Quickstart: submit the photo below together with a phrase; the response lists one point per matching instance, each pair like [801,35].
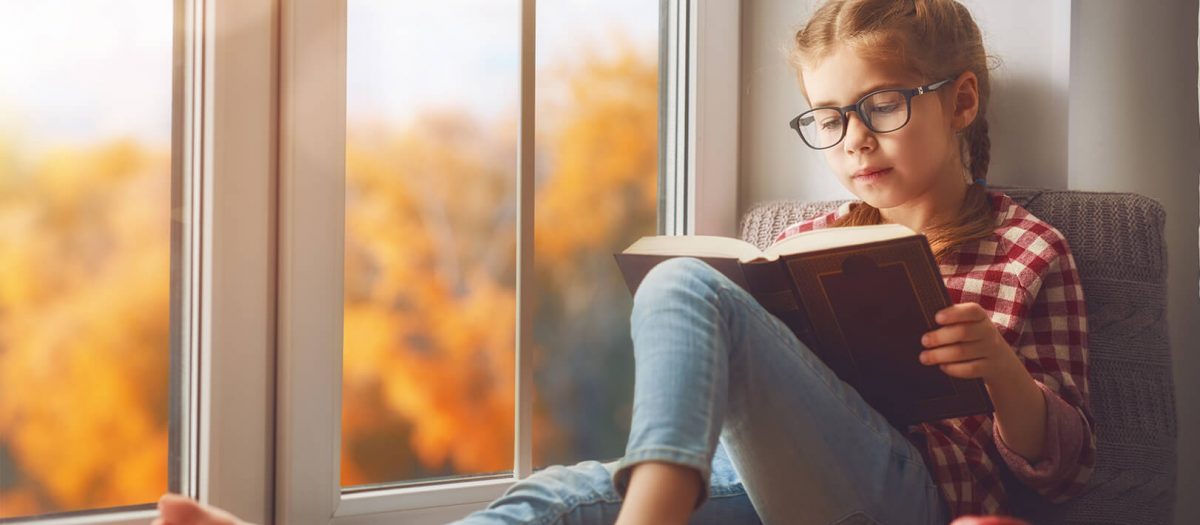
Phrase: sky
[73,71]
[82,70]
[392,66]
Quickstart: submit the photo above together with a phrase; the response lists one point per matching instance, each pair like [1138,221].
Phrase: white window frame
[699,110]
[699,166]
[260,134]
[223,150]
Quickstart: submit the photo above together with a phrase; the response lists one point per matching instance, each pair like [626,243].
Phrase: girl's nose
[859,138]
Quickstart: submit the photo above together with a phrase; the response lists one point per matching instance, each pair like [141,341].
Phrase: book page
[696,246]
[823,238]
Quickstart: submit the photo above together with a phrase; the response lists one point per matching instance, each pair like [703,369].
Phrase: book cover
[862,308]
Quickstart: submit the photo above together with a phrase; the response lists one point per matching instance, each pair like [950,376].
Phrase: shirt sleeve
[1053,348]
[1061,448]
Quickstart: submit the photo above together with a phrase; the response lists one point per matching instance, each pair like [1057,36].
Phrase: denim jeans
[724,387]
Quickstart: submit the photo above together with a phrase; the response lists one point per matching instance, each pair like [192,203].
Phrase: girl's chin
[879,200]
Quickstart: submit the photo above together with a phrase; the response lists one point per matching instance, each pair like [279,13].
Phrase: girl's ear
[966,100]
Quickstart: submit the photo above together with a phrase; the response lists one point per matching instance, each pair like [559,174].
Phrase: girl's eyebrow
[874,87]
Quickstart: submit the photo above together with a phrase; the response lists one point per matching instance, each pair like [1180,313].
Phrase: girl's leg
[583,494]
[713,367]
[712,363]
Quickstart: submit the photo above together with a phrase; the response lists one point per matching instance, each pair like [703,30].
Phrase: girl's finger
[955,333]
[953,353]
[942,354]
[965,369]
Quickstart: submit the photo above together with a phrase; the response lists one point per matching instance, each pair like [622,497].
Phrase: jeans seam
[640,454]
[712,401]
[851,513]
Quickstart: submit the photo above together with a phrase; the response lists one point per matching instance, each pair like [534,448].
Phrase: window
[430,270]
[86,306]
[430,244]
[136,207]
[597,192]
[276,169]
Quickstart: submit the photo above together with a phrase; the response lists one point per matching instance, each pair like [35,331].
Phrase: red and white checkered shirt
[1024,276]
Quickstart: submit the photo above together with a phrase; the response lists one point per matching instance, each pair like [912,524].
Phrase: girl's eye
[886,108]
[831,124]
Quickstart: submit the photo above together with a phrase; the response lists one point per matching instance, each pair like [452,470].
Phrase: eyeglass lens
[884,111]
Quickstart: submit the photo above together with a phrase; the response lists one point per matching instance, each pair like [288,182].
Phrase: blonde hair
[936,39]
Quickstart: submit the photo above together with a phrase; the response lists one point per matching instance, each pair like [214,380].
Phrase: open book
[860,297]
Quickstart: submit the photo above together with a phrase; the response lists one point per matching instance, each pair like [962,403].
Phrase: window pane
[428,358]
[597,172]
[85,253]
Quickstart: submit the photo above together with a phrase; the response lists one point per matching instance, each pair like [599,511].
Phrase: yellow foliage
[430,305]
[84,303]
[429,299]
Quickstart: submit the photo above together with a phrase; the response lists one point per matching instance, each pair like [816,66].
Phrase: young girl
[737,421]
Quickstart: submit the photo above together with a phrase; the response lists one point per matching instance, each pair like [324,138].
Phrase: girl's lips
[872,176]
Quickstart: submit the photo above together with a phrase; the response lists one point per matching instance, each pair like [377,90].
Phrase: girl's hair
[936,39]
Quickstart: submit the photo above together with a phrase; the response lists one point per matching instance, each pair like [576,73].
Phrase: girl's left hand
[968,345]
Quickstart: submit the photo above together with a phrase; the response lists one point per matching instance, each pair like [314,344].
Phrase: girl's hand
[174,509]
[968,345]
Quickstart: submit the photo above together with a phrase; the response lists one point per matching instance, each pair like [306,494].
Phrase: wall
[1089,95]
[1134,128]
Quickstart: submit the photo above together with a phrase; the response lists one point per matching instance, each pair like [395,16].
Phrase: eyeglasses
[882,111]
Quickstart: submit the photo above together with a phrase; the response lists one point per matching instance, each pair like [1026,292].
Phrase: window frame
[698,165]
[222,262]
[259,140]
[699,116]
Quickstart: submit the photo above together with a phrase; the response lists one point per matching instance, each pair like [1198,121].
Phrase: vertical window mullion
[310,240]
[677,110]
[523,442]
[234,304]
[186,139]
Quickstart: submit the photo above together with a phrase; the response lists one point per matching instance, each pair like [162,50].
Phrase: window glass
[597,173]
[428,357]
[85,253]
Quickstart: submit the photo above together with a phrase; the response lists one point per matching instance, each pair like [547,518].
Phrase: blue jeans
[724,387]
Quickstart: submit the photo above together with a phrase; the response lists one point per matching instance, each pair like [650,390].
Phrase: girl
[736,421]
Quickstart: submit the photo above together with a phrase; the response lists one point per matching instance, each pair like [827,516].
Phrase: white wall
[1028,114]
[1090,95]
[1133,122]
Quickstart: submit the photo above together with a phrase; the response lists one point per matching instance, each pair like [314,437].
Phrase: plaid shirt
[1024,276]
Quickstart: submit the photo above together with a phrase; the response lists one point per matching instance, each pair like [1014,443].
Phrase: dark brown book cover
[862,309]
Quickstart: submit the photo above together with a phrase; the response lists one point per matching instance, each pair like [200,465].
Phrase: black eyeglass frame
[844,111]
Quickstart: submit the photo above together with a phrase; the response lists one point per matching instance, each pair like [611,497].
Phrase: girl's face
[917,158]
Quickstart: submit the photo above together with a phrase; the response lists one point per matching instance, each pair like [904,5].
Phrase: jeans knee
[678,276]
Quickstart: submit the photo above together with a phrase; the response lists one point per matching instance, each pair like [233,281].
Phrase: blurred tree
[84,299]
[429,297]
[430,264]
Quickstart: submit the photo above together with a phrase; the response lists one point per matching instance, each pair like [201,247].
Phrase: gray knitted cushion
[1117,240]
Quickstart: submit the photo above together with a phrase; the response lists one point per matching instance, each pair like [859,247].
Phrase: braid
[979,145]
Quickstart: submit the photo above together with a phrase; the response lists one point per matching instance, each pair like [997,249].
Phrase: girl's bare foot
[660,493]
[174,509]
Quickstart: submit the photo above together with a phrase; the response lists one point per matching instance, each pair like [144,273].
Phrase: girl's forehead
[844,75]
